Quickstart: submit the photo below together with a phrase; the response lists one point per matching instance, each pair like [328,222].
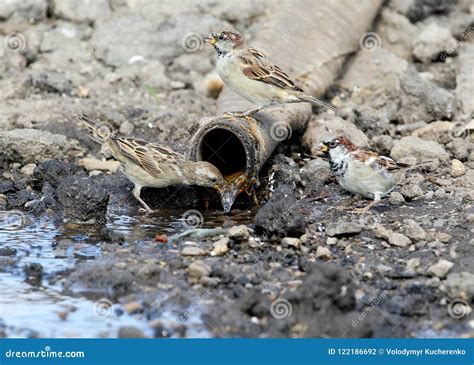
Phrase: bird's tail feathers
[315,101]
[99,131]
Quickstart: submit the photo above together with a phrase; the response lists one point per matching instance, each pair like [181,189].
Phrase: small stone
[192,251]
[92,164]
[81,11]
[457,168]
[431,41]
[176,85]
[396,198]
[290,241]
[132,307]
[161,238]
[459,284]
[220,247]
[323,252]
[412,264]
[411,191]
[199,269]
[304,239]
[343,229]
[213,84]
[440,269]
[383,269]
[331,240]
[126,128]
[239,233]
[419,148]
[28,169]
[398,239]
[130,332]
[207,281]
[414,231]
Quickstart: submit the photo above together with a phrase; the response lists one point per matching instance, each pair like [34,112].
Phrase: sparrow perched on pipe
[250,74]
[362,172]
[153,165]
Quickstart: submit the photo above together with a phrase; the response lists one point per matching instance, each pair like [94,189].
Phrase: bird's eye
[332,144]
[221,37]
[214,179]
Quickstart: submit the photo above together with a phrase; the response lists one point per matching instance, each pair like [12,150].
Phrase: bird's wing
[257,67]
[376,161]
[145,154]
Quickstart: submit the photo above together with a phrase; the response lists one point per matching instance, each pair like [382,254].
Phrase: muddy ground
[79,259]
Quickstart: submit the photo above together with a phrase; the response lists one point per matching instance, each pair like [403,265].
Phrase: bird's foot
[361,210]
[366,208]
[235,114]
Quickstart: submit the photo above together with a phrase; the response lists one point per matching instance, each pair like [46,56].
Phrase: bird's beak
[322,151]
[211,40]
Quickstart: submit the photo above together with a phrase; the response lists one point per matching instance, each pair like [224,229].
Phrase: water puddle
[29,311]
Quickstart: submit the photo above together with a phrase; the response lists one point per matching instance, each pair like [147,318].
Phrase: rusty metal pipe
[242,145]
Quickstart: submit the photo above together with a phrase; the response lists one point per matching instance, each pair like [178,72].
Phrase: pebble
[398,239]
[419,148]
[414,231]
[413,263]
[220,247]
[457,168]
[411,191]
[431,41]
[192,251]
[343,229]
[176,84]
[459,284]
[291,241]
[239,233]
[331,240]
[396,198]
[441,268]
[28,169]
[130,332]
[199,269]
[91,164]
[126,128]
[132,307]
[323,252]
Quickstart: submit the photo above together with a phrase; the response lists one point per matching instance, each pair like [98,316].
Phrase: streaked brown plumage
[148,164]
[250,74]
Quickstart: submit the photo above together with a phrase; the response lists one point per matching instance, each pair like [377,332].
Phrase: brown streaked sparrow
[251,75]
[361,171]
[148,164]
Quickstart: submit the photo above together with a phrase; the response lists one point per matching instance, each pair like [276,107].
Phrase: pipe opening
[224,150]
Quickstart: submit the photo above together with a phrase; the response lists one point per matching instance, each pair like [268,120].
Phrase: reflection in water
[29,311]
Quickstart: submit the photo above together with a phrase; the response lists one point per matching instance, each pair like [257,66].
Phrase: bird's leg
[252,194]
[136,194]
[364,210]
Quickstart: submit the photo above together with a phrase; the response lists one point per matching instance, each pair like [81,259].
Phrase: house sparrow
[251,75]
[361,171]
[153,165]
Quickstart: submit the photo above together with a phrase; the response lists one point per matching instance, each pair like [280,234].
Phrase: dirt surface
[74,247]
